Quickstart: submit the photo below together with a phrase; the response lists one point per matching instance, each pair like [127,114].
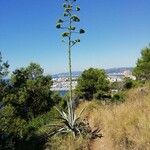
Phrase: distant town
[61,81]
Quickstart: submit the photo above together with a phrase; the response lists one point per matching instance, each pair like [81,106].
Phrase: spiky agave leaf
[63,114]
[77,118]
[59,131]
[82,111]
[68,118]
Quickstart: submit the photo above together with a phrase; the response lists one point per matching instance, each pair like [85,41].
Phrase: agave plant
[75,126]
[68,23]
[71,122]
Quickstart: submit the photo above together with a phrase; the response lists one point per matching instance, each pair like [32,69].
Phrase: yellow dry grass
[125,126]
[67,142]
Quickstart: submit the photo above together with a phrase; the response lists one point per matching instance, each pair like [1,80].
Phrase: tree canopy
[29,93]
[92,83]
[142,69]
[4,66]
[26,98]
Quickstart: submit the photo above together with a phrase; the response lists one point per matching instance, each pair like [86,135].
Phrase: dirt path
[100,143]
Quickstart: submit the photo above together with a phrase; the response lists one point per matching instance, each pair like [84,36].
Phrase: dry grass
[125,126]
[67,143]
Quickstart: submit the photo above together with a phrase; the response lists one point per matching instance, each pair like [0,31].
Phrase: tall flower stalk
[70,120]
[68,23]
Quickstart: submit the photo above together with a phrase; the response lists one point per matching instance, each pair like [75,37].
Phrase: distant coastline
[115,70]
[61,80]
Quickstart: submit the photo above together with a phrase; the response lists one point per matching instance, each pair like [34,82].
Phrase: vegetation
[68,142]
[68,23]
[128,83]
[118,97]
[116,85]
[29,119]
[93,83]
[124,126]
[4,66]
[142,69]
[30,93]
[31,114]
[26,100]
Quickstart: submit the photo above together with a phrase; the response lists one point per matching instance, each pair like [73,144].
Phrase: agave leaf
[80,113]
[61,130]
[75,116]
[68,125]
[63,115]
[74,119]
[78,131]
[59,111]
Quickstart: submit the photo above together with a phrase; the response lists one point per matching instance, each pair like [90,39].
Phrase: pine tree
[142,69]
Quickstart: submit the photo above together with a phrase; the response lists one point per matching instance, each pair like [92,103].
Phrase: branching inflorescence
[70,120]
[68,23]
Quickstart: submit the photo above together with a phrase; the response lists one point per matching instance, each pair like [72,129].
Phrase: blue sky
[116,30]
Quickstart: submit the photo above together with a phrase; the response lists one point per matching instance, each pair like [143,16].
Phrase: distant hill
[108,71]
[66,74]
[118,70]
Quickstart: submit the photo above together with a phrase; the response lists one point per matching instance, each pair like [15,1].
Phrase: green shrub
[91,82]
[118,97]
[128,83]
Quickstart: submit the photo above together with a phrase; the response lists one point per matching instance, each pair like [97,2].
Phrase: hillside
[124,126]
